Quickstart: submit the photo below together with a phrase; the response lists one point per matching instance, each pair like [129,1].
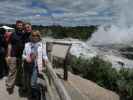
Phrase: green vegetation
[101,72]
[125,83]
[78,32]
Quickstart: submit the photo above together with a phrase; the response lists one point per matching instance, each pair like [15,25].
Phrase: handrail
[55,52]
[57,83]
[49,90]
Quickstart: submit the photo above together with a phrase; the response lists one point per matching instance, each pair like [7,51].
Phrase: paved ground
[77,87]
[4,94]
[82,89]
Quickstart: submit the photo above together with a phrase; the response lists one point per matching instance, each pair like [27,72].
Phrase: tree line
[57,31]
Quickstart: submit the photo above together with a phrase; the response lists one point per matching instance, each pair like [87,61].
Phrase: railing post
[65,64]
[49,50]
[65,71]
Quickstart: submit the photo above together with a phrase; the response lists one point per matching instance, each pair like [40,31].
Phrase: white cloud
[73,12]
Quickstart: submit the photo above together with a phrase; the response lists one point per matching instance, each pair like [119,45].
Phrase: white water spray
[120,32]
[112,35]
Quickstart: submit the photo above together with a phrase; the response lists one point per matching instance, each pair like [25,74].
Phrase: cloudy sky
[63,12]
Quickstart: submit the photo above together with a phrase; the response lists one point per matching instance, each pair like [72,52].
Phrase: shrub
[125,84]
[78,32]
[96,70]
[103,74]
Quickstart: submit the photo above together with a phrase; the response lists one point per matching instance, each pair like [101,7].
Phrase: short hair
[19,21]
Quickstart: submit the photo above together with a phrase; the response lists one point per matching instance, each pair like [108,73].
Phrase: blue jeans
[34,76]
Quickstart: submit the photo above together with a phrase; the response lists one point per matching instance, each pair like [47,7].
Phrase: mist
[120,32]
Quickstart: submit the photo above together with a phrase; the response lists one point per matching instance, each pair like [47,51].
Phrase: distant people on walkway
[34,56]
[14,55]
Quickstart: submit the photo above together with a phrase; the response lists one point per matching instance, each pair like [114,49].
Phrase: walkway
[4,94]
